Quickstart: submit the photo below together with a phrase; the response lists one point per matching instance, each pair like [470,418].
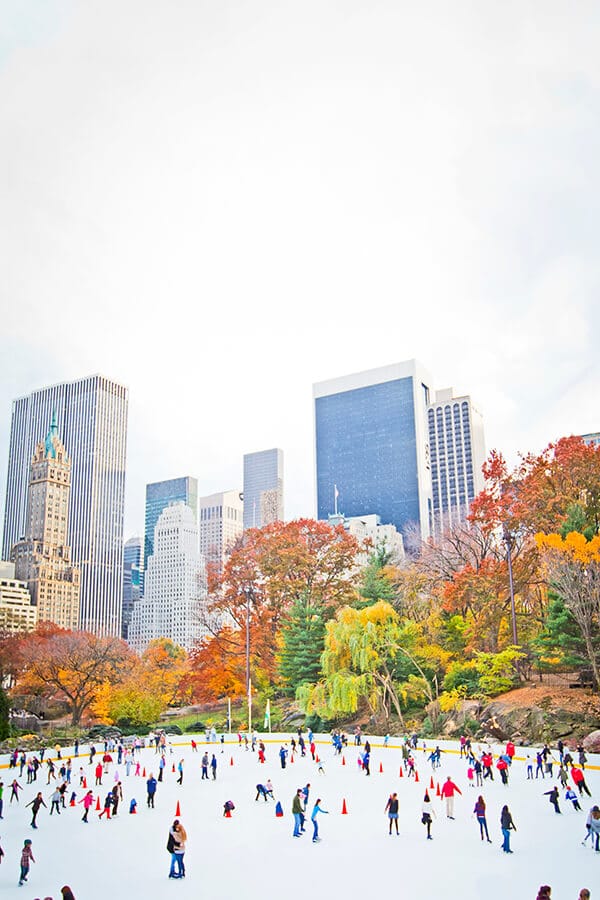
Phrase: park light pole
[511,585]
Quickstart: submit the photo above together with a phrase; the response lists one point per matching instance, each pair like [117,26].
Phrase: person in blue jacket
[151,788]
[313,818]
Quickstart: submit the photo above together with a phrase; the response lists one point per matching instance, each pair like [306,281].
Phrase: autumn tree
[572,565]
[72,666]
[269,571]
[164,667]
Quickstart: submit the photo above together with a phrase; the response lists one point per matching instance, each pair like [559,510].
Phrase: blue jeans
[506,844]
[315,829]
[297,823]
[177,860]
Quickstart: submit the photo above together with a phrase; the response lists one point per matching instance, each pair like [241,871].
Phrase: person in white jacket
[427,814]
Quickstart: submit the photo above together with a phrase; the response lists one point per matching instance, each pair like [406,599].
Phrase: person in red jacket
[579,779]
[510,750]
[502,767]
[448,791]
[486,761]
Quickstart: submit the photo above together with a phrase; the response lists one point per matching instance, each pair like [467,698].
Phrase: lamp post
[511,586]
[248,685]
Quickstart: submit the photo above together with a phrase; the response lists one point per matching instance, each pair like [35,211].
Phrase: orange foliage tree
[269,570]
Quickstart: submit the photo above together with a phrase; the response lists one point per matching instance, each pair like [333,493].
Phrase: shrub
[463,675]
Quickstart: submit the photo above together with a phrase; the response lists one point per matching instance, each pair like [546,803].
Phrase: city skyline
[332,190]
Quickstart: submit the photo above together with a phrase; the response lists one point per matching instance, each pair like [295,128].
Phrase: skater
[579,779]
[572,796]
[87,801]
[595,828]
[35,804]
[584,894]
[180,770]
[15,788]
[204,764]
[479,811]
[553,798]
[391,808]
[269,788]
[506,824]
[117,796]
[176,847]
[478,774]
[133,806]
[313,818]
[297,813]
[427,812]
[562,776]
[161,766]
[107,806]
[529,768]
[55,802]
[213,767]
[227,807]
[151,789]
[282,756]
[26,859]
[581,756]
[539,765]
[448,791]
[544,892]
[67,893]
[98,773]
[366,760]
[261,791]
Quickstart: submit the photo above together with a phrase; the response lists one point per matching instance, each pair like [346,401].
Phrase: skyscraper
[132,580]
[43,558]
[371,446]
[457,450]
[174,584]
[263,488]
[161,494]
[220,523]
[91,415]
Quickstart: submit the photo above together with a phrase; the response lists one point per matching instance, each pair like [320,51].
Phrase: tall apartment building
[91,415]
[457,451]
[161,494]
[372,446]
[17,612]
[593,439]
[370,528]
[263,488]
[132,580]
[174,584]
[43,558]
[220,523]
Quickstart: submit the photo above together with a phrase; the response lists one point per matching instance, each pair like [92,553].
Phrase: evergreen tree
[375,583]
[560,639]
[303,643]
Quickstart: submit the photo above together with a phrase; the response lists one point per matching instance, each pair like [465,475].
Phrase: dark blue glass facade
[162,494]
[366,445]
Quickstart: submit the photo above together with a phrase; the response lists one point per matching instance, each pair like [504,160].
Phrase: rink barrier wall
[284,737]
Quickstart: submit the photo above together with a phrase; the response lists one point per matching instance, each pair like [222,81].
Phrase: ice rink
[253,854]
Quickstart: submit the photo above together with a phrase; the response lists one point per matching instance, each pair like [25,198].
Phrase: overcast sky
[219,203]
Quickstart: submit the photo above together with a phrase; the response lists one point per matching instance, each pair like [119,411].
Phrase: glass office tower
[263,488]
[371,446]
[161,494]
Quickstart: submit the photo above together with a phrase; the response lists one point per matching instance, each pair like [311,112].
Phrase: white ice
[253,854]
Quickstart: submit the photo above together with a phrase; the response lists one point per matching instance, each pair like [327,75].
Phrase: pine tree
[303,643]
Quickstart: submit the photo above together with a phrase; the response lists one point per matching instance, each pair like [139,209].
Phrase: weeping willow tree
[362,647]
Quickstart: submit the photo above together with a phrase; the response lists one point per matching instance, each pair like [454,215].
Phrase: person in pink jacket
[448,791]
[87,805]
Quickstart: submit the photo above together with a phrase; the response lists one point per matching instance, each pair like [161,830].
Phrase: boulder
[592,742]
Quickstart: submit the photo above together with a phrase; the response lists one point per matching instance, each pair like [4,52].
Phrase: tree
[572,565]
[73,665]
[164,666]
[303,644]
[270,570]
[362,647]
[4,717]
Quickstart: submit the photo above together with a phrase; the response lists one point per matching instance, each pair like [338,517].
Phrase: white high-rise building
[370,528]
[457,452]
[91,417]
[174,584]
[220,524]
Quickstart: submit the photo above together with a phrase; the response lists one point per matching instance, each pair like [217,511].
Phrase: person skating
[107,806]
[479,811]
[313,818]
[180,770]
[579,779]
[261,791]
[151,790]
[595,828]
[15,788]
[67,893]
[544,893]
[55,802]
[117,796]
[282,756]
[297,813]
[176,847]
[553,798]
[26,859]
[88,801]
[204,765]
[35,804]
[391,808]
[427,814]
[269,788]
[507,825]
[213,767]
[572,796]
[584,894]
[448,791]
[98,773]
[588,826]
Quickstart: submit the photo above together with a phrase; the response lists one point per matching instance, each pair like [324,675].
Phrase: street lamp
[513,612]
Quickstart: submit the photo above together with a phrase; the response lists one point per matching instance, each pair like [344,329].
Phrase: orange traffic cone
[344,808]
[438,793]
[84,785]
[317,758]
[97,803]
[416,776]
[292,758]
[177,810]
[227,813]
[144,773]
[173,769]
[231,761]
[343,760]
[72,800]
[401,773]
[380,768]
[431,784]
